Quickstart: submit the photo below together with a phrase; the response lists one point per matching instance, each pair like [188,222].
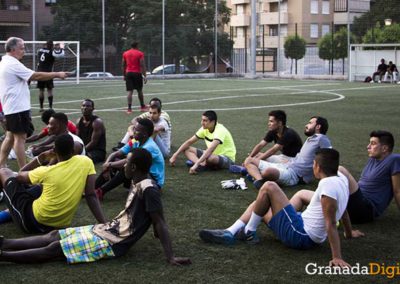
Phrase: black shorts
[97,156]
[359,208]
[45,84]
[223,161]
[19,201]
[20,122]
[134,81]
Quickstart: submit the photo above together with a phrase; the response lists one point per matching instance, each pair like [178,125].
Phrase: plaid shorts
[80,244]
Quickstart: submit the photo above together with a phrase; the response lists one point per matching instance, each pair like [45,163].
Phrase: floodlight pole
[253,38]
[278,63]
[104,36]
[216,40]
[163,37]
[348,40]
[34,34]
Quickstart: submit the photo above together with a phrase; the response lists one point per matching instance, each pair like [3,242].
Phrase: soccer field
[196,202]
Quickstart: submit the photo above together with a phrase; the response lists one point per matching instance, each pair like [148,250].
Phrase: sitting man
[45,132]
[392,72]
[380,71]
[128,135]
[162,131]
[379,181]
[318,221]
[36,211]
[221,150]
[58,124]
[286,140]
[92,132]
[106,240]
[113,174]
[299,169]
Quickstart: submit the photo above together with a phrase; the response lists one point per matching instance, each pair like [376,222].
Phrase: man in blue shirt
[113,174]
[379,181]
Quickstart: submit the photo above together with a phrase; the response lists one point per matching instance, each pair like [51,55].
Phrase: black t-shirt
[290,141]
[139,211]
[46,60]
[85,133]
[382,67]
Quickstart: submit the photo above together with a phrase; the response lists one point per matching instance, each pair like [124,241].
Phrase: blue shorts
[288,227]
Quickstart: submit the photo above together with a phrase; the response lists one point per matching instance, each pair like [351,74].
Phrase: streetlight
[388,22]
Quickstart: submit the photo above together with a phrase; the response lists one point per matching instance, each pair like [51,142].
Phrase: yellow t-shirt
[63,185]
[226,146]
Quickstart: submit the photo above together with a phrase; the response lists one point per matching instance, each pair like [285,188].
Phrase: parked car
[97,75]
[169,69]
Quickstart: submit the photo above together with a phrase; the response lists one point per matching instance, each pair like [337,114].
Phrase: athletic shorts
[80,244]
[19,201]
[279,159]
[287,176]
[97,156]
[288,227]
[360,209]
[45,84]
[20,122]
[223,161]
[134,81]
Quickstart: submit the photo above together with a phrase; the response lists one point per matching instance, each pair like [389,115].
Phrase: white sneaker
[12,155]
[379,81]
[372,81]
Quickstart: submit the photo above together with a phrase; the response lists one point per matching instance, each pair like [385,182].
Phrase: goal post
[364,58]
[69,62]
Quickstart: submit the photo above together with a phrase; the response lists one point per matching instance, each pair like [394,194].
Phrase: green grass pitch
[192,203]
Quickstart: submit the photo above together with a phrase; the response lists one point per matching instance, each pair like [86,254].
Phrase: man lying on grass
[112,239]
[325,207]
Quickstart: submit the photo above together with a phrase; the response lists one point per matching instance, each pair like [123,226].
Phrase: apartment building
[310,19]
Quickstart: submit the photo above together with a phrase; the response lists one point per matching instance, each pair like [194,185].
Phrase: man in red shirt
[134,71]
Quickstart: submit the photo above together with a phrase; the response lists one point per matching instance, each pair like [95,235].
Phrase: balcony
[272,1]
[15,18]
[271,41]
[239,42]
[240,21]
[357,6]
[272,18]
[236,2]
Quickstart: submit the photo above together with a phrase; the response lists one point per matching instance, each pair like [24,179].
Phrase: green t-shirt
[220,133]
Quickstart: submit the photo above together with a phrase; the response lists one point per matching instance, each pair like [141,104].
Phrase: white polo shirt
[14,90]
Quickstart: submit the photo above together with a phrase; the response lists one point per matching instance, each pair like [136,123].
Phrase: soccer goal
[67,61]
[364,58]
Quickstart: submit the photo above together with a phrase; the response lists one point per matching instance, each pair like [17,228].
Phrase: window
[325,7]
[50,2]
[325,29]
[314,7]
[314,31]
[239,10]
[273,31]
[240,32]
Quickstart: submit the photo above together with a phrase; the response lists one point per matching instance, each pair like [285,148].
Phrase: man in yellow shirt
[62,187]
[221,150]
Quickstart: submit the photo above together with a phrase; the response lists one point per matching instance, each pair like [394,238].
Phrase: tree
[380,10]
[334,47]
[189,25]
[295,48]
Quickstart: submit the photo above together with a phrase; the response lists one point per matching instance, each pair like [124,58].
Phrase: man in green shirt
[221,150]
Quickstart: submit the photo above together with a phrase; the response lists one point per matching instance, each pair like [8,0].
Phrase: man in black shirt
[46,58]
[381,70]
[90,128]
[143,208]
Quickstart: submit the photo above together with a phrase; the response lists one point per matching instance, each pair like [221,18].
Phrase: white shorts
[287,176]
[279,159]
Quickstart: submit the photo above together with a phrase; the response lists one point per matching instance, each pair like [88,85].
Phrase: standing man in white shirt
[15,98]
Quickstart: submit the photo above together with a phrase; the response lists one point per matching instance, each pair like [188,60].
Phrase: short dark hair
[61,118]
[156,101]
[142,159]
[90,101]
[323,123]
[47,114]
[49,44]
[134,44]
[147,124]
[211,115]
[328,160]
[385,138]
[156,106]
[64,145]
[12,43]
[279,115]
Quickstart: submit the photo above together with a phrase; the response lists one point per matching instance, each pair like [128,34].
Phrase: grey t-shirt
[302,164]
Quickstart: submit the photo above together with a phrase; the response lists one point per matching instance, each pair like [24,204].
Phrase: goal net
[67,61]
[364,58]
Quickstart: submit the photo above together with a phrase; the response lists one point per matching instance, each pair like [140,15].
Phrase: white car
[97,75]
[169,69]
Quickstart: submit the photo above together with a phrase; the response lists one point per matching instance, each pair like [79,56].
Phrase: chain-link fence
[183,36]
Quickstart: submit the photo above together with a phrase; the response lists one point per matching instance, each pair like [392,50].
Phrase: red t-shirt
[132,59]
[71,128]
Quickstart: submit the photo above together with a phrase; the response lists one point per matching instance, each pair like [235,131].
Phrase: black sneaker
[250,238]
[223,237]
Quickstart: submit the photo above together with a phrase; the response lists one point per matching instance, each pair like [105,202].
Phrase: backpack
[368,79]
